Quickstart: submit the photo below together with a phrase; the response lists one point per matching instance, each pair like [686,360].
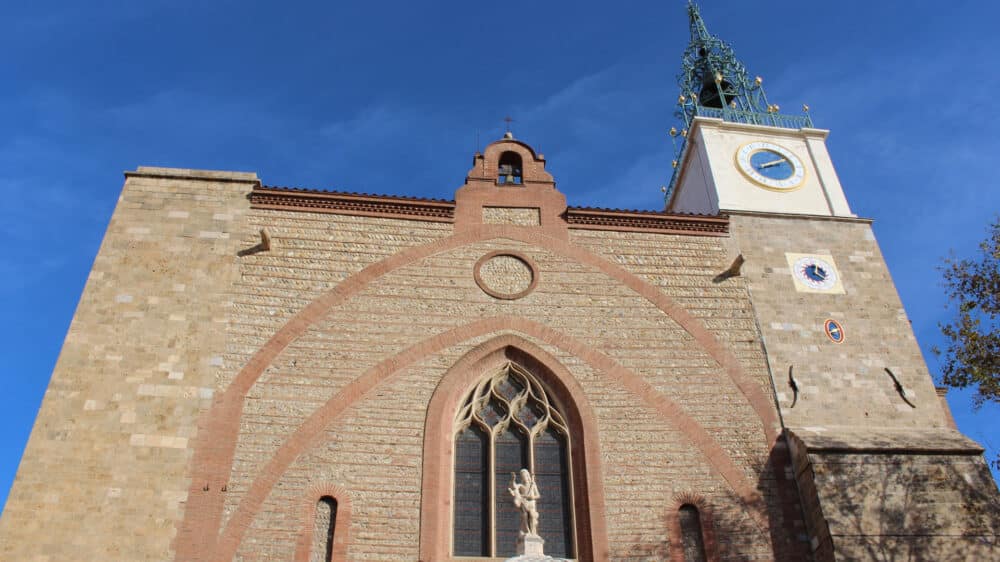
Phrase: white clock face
[771,166]
[815,273]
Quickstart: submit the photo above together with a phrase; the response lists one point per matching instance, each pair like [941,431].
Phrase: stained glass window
[472,516]
[551,472]
[506,423]
[511,455]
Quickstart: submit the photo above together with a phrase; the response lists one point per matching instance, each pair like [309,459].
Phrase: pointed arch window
[506,423]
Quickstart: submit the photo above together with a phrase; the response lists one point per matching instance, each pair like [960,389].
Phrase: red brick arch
[342,525]
[313,429]
[219,426]
[706,520]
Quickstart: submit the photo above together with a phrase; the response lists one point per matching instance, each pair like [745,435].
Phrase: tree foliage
[972,354]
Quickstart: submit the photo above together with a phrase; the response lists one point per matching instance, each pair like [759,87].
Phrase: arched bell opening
[510,169]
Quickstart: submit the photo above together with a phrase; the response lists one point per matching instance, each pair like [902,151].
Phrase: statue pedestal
[529,549]
[530,545]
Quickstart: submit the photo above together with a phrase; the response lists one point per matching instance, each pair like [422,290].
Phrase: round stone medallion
[506,275]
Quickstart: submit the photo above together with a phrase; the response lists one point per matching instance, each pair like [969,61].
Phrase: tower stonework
[881,470]
[267,373]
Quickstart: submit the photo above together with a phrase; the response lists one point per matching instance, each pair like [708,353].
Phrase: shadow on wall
[897,506]
[884,506]
[729,532]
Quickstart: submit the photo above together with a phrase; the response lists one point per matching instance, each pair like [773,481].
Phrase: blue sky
[390,97]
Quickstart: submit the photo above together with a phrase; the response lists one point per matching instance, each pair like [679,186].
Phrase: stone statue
[526,499]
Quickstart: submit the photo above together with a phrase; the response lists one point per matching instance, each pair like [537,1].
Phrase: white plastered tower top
[712,180]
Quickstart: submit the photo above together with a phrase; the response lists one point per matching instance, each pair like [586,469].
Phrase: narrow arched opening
[692,537]
[510,169]
[324,525]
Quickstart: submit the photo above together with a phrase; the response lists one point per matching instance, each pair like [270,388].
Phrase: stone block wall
[918,495]
[105,472]
[838,384]
[881,475]
[898,505]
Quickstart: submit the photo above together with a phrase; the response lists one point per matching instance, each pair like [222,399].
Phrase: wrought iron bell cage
[714,83]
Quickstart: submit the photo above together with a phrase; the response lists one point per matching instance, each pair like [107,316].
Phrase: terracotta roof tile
[356,194]
[645,212]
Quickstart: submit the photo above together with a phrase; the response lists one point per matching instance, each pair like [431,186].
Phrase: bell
[709,94]
[506,173]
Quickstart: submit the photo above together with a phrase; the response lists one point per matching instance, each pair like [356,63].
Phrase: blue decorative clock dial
[834,331]
[815,273]
[771,164]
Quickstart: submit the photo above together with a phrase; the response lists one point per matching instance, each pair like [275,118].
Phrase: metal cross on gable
[508,120]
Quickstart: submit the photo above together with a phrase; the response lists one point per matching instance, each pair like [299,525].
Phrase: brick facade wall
[209,392]
[374,451]
[198,316]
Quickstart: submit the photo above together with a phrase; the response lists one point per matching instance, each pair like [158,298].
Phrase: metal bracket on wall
[795,387]
[733,271]
[263,246]
[899,388]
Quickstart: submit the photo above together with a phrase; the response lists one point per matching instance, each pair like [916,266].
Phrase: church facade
[269,373]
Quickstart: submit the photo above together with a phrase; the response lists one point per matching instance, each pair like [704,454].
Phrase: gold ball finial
[681,99]
[663,188]
[758,80]
[684,133]
[718,77]
[805,107]
[673,164]
[732,104]
[673,131]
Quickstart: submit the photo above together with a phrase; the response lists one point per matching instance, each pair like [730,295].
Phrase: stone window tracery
[506,423]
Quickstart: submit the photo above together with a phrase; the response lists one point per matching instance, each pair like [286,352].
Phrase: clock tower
[861,419]
[736,150]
